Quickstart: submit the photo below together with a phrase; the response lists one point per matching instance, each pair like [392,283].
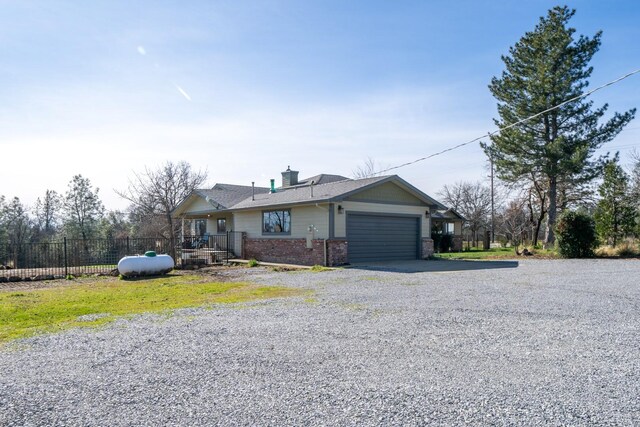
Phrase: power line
[637,144]
[455,147]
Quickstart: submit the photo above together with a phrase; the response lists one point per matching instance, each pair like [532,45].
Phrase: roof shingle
[331,188]
[227,195]
[302,193]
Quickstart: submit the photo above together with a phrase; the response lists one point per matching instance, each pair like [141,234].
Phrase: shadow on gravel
[421,266]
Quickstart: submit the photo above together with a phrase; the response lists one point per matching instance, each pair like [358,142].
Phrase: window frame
[286,212]
[196,228]
[450,225]
[224,229]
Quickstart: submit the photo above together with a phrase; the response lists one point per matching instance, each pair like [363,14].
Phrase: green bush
[252,263]
[576,235]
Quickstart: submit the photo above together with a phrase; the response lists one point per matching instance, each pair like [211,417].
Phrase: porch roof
[225,196]
[448,214]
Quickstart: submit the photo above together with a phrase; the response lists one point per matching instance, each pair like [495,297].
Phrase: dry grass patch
[623,250]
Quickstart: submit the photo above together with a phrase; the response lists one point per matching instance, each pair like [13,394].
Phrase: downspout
[181,244]
[332,221]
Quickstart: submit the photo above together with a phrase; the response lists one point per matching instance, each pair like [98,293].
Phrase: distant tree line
[613,203]
[79,213]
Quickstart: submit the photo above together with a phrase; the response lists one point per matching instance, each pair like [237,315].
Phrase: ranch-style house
[322,220]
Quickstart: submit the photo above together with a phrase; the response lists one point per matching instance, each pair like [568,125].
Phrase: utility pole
[493,234]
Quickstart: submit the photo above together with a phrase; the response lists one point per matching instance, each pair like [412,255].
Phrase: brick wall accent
[287,251]
[456,244]
[337,250]
[427,247]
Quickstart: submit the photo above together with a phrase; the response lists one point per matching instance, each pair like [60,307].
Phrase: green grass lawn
[29,312]
[495,253]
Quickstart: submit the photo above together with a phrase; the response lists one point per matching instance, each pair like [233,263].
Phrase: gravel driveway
[445,343]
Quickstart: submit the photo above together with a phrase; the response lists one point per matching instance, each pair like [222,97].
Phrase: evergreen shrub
[576,235]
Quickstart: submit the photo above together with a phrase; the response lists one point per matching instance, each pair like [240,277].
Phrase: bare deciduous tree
[368,169]
[634,183]
[472,200]
[154,194]
[514,221]
[537,205]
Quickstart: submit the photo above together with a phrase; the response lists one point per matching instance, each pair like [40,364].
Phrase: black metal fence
[59,259]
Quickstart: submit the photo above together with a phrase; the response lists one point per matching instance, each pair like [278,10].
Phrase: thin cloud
[182,91]
[141,50]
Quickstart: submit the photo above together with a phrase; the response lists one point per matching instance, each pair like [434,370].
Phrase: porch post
[332,222]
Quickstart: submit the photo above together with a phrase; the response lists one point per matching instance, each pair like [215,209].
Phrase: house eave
[200,214]
[310,202]
[428,201]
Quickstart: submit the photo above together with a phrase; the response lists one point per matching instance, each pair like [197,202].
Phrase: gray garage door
[382,237]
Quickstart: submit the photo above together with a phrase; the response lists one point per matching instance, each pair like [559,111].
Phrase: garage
[382,237]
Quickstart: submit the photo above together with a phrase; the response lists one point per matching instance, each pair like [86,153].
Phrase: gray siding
[302,217]
[386,193]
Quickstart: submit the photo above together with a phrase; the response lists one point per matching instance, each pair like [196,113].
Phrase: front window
[200,227]
[222,225]
[276,221]
[450,228]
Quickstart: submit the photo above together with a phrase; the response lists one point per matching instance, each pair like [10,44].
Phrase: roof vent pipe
[253,191]
[311,188]
[273,186]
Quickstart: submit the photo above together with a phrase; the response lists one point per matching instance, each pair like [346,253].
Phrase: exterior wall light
[340,209]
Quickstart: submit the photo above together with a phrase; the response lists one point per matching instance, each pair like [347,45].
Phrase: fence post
[227,246]
[66,263]
[128,249]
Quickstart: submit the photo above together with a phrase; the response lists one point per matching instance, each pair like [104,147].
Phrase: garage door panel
[382,237]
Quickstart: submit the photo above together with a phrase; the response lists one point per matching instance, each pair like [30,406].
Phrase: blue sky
[246,88]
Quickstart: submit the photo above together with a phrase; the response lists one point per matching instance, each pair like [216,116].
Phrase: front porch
[209,239]
[210,248]
[446,234]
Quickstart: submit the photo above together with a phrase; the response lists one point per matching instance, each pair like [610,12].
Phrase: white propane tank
[148,264]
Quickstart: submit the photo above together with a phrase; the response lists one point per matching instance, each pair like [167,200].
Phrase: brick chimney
[289,177]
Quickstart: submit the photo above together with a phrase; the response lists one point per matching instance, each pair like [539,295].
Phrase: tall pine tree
[547,67]
[83,209]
